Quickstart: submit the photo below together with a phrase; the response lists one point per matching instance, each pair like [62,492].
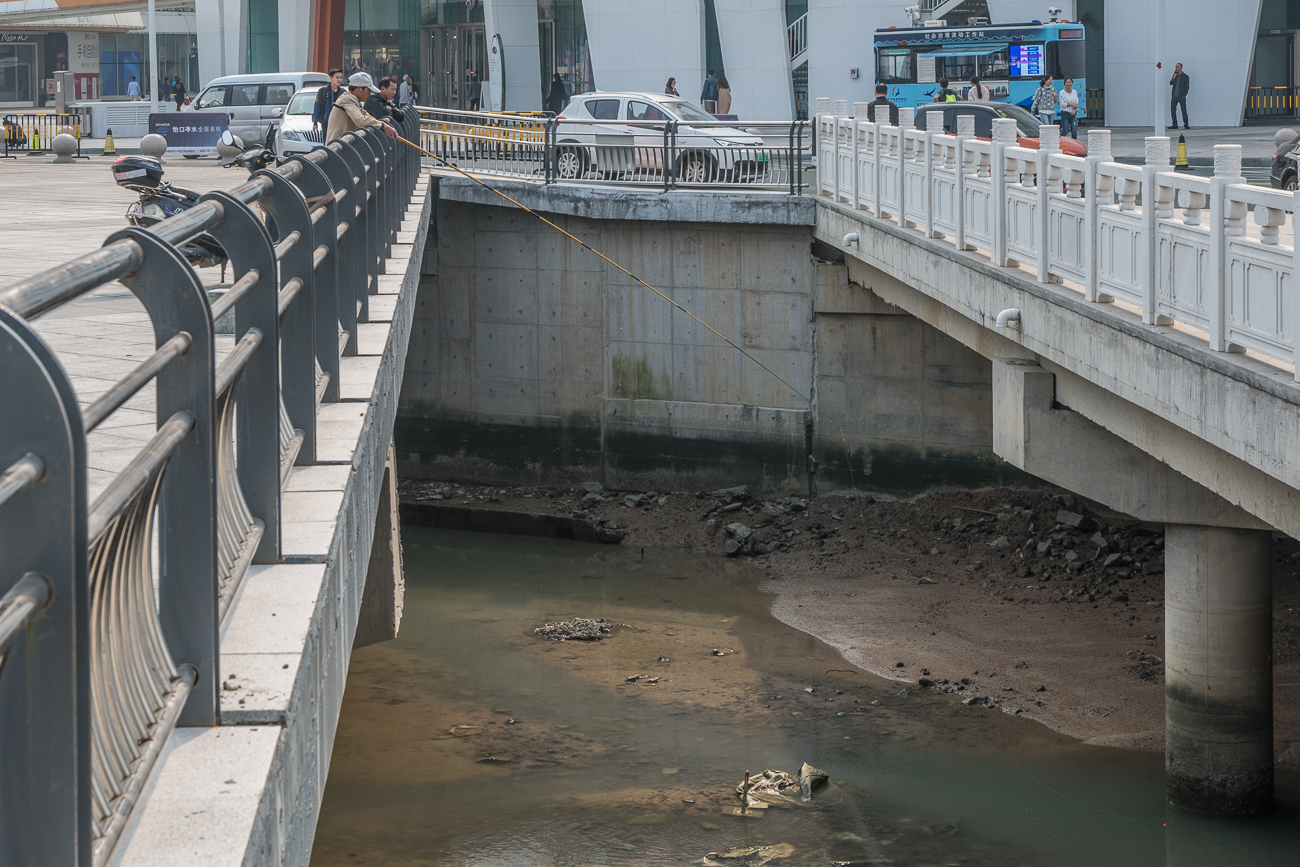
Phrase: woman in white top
[977,92]
[1069,101]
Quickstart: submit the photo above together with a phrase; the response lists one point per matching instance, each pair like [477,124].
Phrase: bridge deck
[220,794]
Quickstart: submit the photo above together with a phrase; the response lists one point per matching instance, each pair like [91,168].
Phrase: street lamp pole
[153,58]
[1160,58]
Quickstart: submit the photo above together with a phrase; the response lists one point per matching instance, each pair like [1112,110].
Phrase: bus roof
[983,32]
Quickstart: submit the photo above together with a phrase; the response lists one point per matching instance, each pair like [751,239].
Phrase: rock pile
[577,629]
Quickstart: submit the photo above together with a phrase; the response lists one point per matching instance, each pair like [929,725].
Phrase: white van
[255,103]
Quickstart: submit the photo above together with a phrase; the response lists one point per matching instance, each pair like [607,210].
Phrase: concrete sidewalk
[1128,143]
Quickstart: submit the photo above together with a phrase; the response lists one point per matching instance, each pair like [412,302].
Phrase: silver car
[622,134]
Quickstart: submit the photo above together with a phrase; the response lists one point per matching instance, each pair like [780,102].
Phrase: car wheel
[696,168]
[570,163]
[191,156]
[1289,183]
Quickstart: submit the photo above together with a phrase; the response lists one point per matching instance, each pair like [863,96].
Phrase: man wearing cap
[348,115]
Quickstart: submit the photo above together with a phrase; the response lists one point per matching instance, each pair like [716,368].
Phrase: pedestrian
[380,103]
[709,95]
[882,98]
[347,115]
[406,94]
[1044,105]
[558,96]
[475,93]
[670,89]
[326,97]
[1179,84]
[724,93]
[945,93]
[1069,99]
[977,91]
[133,88]
[178,92]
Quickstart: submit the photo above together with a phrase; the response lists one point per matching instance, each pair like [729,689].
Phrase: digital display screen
[1026,61]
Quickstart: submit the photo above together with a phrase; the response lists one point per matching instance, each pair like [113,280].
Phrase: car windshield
[1026,123]
[685,111]
[303,103]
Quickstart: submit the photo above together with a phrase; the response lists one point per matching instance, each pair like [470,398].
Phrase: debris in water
[634,678]
[577,629]
[753,855]
[778,787]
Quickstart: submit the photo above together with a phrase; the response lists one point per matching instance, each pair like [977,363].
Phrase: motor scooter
[159,200]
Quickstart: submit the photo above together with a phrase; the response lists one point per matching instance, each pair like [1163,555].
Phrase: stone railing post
[965,132]
[861,114]
[820,118]
[1295,292]
[1157,160]
[1226,218]
[1049,144]
[933,127]
[1004,136]
[879,118]
[906,121]
[1096,192]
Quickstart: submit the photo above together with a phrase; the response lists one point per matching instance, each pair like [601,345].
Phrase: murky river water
[469,741]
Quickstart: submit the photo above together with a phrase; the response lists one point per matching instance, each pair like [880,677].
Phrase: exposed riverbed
[469,740]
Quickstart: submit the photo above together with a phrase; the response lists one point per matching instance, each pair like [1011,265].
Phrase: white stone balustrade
[1211,253]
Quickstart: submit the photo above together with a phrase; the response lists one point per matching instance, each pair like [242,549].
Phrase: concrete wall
[756,58]
[516,22]
[533,359]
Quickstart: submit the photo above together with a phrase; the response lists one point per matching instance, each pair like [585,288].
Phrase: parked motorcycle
[159,200]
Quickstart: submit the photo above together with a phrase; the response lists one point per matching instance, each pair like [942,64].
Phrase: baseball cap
[361,79]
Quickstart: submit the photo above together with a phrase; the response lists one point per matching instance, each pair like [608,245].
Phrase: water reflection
[468,741]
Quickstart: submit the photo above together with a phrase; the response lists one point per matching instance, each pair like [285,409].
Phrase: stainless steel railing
[103,651]
[666,155]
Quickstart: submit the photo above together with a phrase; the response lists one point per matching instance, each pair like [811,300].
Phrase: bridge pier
[1218,669]
[1218,589]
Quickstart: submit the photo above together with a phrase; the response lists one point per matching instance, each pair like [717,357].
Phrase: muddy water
[469,741]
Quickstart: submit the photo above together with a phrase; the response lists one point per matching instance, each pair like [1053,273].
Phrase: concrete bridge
[935,316]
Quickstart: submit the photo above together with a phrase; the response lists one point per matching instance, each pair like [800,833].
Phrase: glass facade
[263,18]
[125,55]
[382,37]
[562,38]
[442,45]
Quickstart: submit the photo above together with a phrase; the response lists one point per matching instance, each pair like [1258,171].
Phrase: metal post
[298,387]
[153,58]
[337,272]
[187,514]
[45,796]
[257,415]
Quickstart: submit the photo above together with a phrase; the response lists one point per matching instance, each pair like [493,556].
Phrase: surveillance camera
[1053,13]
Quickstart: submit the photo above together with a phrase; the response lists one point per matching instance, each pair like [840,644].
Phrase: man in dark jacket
[558,96]
[1178,87]
[883,99]
[380,104]
[709,95]
[325,99]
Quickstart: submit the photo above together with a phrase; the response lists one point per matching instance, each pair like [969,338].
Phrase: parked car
[295,135]
[255,103]
[985,113]
[707,151]
[1285,170]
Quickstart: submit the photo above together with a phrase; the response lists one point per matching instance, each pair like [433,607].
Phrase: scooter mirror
[229,145]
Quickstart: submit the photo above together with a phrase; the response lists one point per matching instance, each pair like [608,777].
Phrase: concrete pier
[1219,669]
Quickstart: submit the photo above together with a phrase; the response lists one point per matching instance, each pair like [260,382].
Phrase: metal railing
[34,133]
[1110,228]
[796,34]
[1265,102]
[103,651]
[666,155]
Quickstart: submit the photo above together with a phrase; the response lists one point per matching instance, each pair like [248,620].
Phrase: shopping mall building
[1240,54]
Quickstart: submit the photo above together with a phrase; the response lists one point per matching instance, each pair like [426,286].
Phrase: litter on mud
[577,629]
[780,788]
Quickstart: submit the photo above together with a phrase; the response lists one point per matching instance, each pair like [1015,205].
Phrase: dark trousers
[1174,102]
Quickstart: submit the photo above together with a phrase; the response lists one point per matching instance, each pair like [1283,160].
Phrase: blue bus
[1009,60]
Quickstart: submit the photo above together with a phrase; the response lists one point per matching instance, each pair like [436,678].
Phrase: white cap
[361,79]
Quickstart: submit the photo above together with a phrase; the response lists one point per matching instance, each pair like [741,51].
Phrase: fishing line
[590,249]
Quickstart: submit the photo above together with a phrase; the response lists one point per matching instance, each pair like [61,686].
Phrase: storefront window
[17,64]
[381,37]
[562,37]
[125,55]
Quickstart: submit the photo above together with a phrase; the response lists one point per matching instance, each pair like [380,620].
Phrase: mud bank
[1014,599]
